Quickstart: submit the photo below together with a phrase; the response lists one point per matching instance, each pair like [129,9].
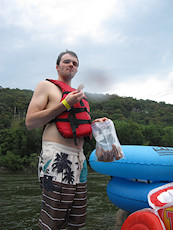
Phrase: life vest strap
[73,123]
[79,110]
[80,121]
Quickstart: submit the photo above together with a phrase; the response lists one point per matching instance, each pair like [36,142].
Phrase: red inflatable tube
[142,220]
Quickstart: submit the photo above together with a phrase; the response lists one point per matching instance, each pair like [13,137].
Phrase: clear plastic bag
[108,147]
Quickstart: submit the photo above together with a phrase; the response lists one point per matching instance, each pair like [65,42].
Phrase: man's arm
[38,114]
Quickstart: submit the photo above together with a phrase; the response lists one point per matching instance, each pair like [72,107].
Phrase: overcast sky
[125,47]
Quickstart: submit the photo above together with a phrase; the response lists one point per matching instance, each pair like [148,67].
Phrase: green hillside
[137,122]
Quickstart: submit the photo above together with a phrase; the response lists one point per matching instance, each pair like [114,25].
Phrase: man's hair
[66,52]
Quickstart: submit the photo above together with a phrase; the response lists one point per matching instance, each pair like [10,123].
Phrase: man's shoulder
[50,88]
[45,84]
[46,87]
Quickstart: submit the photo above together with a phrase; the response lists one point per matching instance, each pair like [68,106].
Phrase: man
[62,164]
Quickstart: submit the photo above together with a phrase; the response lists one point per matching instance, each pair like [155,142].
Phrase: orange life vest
[77,121]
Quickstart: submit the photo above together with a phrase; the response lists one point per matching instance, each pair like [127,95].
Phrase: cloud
[120,43]
[76,18]
[152,87]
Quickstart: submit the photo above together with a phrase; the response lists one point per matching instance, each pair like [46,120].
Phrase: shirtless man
[62,164]
[45,104]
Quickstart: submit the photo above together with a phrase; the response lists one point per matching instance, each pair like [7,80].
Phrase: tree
[129,133]
[153,134]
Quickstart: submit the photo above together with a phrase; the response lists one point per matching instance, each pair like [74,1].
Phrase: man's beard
[68,75]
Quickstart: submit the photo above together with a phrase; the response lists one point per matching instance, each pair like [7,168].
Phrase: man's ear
[57,67]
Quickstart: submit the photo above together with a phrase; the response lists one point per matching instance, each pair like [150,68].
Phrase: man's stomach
[52,134]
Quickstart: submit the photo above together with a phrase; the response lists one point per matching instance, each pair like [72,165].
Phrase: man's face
[68,66]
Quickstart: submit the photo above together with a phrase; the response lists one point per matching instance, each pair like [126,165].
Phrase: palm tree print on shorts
[69,176]
[47,183]
[63,165]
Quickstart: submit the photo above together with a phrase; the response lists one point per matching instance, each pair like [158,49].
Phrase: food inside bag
[108,147]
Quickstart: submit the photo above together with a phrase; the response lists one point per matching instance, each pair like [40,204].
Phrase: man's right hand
[74,97]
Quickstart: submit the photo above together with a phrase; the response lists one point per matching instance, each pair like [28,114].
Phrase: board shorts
[62,171]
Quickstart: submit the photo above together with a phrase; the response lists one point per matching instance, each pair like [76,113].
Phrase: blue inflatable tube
[140,162]
[130,195]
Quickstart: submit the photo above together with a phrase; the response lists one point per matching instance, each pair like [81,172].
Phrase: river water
[20,202]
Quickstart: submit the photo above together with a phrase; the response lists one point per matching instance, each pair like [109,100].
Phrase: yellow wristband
[66,104]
